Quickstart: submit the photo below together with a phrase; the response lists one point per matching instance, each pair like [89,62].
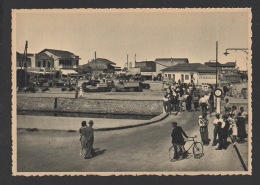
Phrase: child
[203,124]
[82,139]
[233,127]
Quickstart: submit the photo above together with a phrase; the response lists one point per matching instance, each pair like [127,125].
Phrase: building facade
[190,73]
[162,63]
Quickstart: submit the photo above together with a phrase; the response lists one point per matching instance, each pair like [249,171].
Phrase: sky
[148,33]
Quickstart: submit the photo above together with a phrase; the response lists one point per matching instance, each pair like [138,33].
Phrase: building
[101,66]
[162,63]
[21,62]
[190,73]
[229,73]
[147,69]
[57,59]
[50,61]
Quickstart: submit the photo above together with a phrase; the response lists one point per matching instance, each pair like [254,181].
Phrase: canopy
[68,71]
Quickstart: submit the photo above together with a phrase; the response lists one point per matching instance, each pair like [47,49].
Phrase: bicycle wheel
[172,153]
[198,150]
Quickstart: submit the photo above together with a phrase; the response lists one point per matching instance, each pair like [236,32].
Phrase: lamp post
[236,49]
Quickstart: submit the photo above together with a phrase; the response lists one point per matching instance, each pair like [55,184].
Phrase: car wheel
[132,89]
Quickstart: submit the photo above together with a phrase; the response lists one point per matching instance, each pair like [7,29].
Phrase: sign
[207,76]
[218,92]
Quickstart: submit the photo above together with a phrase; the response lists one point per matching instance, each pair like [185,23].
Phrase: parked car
[126,86]
[145,85]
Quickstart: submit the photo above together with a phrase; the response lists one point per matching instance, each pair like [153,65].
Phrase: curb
[132,126]
[111,128]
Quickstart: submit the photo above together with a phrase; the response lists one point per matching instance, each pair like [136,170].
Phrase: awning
[68,71]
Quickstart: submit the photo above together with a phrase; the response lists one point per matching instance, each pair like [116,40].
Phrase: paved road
[138,149]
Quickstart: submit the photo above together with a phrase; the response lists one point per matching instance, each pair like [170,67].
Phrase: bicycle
[196,146]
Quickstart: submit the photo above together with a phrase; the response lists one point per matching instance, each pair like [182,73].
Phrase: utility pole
[95,55]
[127,60]
[25,76]
[216,64]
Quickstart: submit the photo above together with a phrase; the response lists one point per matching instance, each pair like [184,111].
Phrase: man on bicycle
[178,140]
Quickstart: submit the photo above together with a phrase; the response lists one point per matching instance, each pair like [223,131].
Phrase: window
[43,63]
[169,76]
[77,62]
[65,62]
[187,77]
[39,64]
[49,64]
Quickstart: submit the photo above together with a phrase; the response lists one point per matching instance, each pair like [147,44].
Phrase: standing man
[216,124]
[178,139]
[90,140]
[203,104]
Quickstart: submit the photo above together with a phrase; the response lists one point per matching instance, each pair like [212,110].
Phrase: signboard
[207,76]
[218,92]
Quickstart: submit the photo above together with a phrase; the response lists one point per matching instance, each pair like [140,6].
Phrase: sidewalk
[243,147]
[74,123]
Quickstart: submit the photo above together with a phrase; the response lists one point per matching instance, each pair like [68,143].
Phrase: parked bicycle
[178,151]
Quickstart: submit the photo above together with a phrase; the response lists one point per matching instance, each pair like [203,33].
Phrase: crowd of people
[87,139]
[232,124]
[178,94]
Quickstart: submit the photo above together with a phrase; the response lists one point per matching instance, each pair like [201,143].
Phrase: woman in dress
[203,124]
[90,140]
[241,128]
[83,140]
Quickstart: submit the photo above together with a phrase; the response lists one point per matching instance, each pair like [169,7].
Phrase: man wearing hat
[215,132]
[177,137]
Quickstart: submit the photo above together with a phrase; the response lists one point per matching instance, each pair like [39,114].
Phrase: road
[139,149]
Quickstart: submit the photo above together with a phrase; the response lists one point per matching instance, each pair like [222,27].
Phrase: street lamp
[236,49]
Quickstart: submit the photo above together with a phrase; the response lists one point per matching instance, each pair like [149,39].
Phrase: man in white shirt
[203,102]
[215,123]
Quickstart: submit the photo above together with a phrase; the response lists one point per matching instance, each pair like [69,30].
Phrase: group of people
[177,94]
[231,124]
[87,139]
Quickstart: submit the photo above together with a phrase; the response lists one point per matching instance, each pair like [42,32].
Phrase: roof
[172,60]
[229,64]
[213,64]
[21,56]
[103,60]
[43,56]
[196,67]
[60,53]
[99,64]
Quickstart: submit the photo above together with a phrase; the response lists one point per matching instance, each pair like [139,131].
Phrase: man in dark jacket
[178,139]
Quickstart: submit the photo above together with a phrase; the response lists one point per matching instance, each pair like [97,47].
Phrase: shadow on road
[98,152]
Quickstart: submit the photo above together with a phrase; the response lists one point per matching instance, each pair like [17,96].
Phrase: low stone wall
[141,107]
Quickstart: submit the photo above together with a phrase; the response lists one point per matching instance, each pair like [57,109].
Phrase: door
[182,78]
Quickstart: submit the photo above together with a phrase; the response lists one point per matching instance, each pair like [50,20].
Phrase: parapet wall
[141,107]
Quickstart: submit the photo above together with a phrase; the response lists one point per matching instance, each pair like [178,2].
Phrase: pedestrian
[245,116]
[220,136]
[178,140]
[204,133]
[188,100]
[225,90]
[90,140]
[233,127]
[225,131]
[82,139]
[166,103]
[227,105]
[211,103]
[203,104]
[241,128]
[215,131]
[195,100]
[233,113]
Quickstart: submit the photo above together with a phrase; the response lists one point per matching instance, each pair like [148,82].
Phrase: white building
[188,73]
[162,63]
